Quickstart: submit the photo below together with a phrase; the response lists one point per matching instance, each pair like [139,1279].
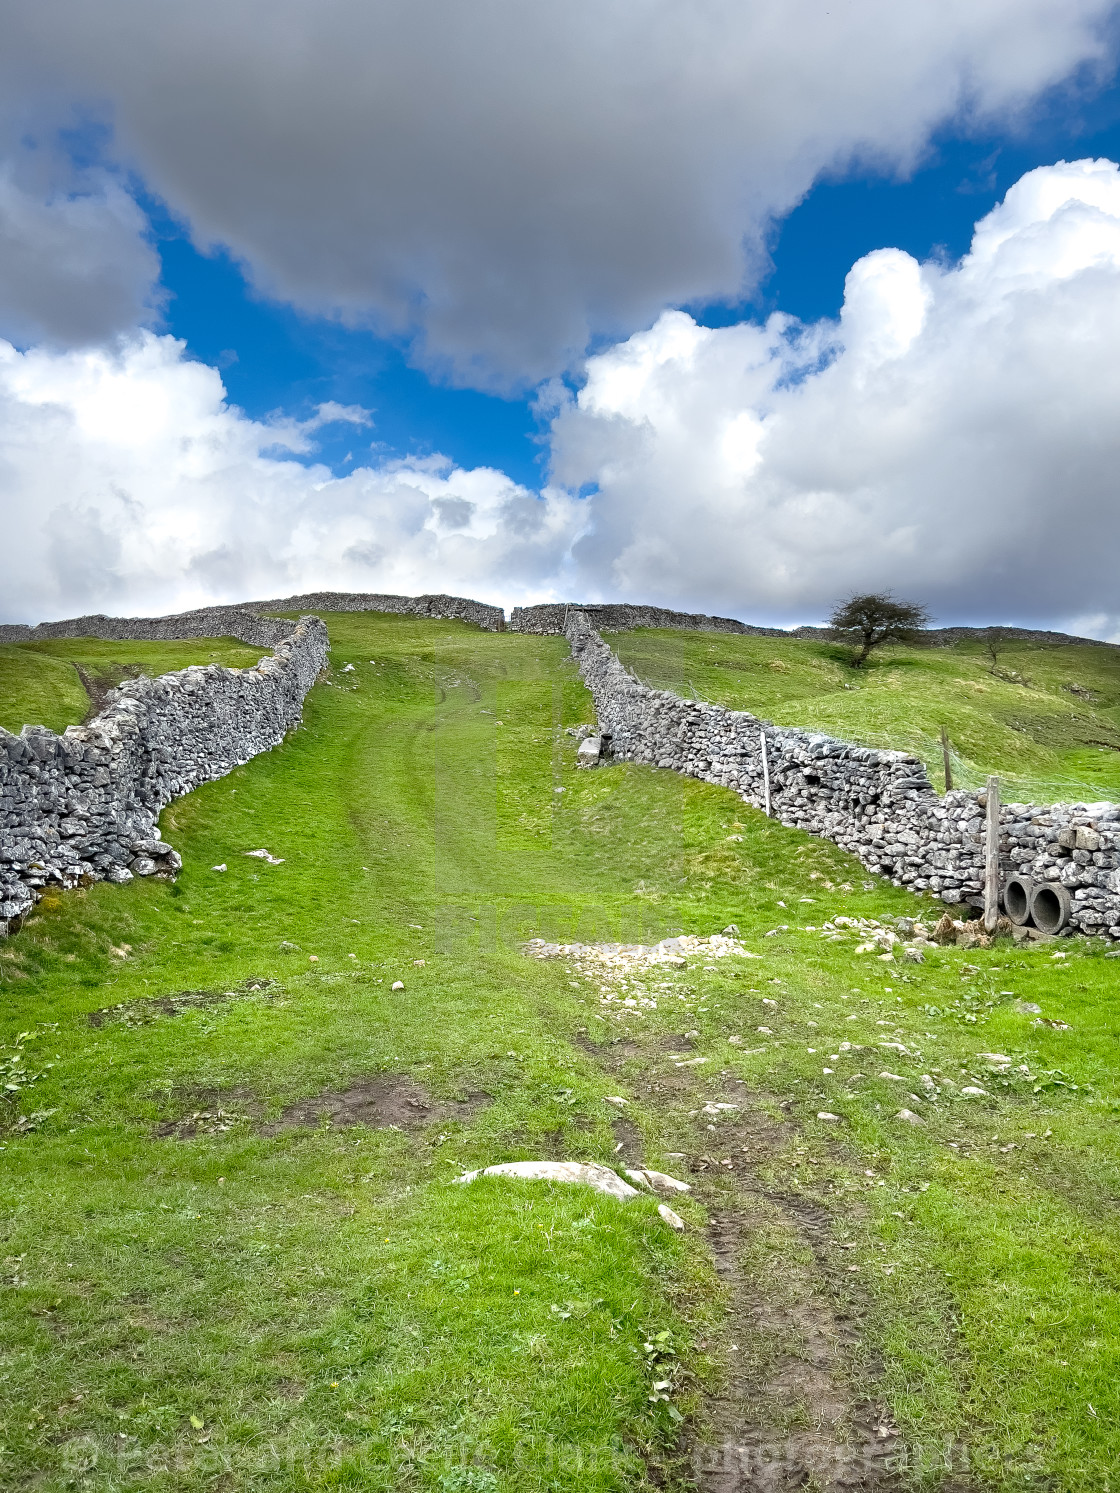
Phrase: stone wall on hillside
[947,637]
[880,805]
[452,608]
[551,617]
[244,622]
[84,806]
[207,622]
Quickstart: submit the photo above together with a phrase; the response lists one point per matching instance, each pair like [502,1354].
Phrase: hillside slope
[1046,718]
[233,1256]
[56,683]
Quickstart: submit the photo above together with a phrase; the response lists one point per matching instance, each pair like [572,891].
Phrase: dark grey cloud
[75,264]
[504,179]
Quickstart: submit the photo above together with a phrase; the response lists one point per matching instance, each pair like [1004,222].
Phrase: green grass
[1021,722]
[306,1307]
[41,684]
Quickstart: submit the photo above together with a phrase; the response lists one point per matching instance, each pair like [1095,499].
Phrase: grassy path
[210,1281]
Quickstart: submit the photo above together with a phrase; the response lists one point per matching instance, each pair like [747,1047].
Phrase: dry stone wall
[207,622]
[552,617]
[880,805]
[84,805]
[453,608]
[245,623]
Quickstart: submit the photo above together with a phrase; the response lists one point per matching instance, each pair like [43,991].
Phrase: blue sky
[285,361]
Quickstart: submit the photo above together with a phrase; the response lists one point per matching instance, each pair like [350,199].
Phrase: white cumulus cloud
[955,436]
[129,484]
[507,179]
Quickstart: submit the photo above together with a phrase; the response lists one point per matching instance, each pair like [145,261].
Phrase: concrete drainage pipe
[1017,899]
[1050,906]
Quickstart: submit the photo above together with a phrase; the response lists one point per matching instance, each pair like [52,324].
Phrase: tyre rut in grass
[786,1415]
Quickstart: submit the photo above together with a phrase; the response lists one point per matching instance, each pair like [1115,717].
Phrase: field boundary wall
[84,806]
[879,805]
[552,617]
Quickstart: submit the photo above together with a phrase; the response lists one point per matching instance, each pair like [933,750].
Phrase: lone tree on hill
[995,641]
[868,621]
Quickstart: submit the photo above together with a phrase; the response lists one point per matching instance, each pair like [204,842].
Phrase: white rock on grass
[674,1220]
[909,1117]
[397,985]
[974,1092]
[589,751]
[586,1174]
[633,957]
[659,1181]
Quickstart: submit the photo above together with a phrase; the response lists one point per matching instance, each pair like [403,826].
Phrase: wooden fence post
[945,760]
[991,858]
[765,775]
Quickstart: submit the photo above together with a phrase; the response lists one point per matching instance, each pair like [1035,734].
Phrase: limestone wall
[244,622]
[84,805]
[207,622]
[490,619]
[880,805]
[551,617]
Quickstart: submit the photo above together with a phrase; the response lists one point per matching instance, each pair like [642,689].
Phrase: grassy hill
[1045,717]
[58,681]
[210,1281]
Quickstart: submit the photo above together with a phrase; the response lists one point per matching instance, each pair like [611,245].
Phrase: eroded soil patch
[151,1008]
[789,1414]
[786,1416]
[386,1099]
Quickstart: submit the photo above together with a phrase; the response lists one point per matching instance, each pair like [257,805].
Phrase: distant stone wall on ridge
[207,622]
[551,617]
[452,608]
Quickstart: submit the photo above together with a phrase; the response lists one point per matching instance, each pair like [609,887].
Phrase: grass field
[55,683]
[1045,717]
[207,1284]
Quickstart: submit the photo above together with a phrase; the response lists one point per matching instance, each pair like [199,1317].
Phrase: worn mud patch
[793,1411]
[383,1101]
[628,1142]
[786,1417]
[98,686]
[154,1007]
[612,1050]
[680,1043]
